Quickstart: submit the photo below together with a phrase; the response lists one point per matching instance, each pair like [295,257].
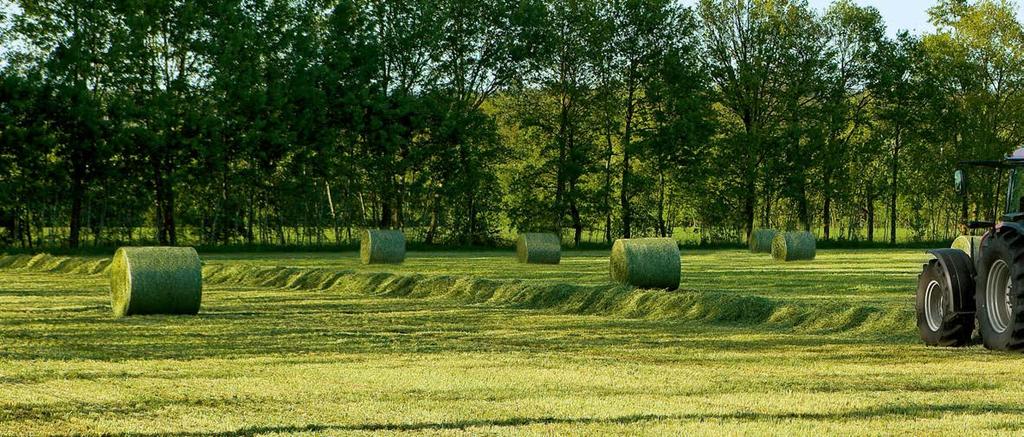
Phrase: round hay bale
[534,248]
[155,280]
[646,263]
[794,246]
[761,240]
[969,244]
[382,246]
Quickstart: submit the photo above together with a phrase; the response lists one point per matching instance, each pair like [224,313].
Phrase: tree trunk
[871,216]
[661,204]
[169,224]
[577,220]
[826,217]
[159,186]
[627,139]
[334,213]
[77,193]
[435,210]
[250,236]
[563,145]
[749,206]
[472,219]
[28,228]
[803,205]
[826,210]
[608,189]
[385,211]
[397,214]
[894,187]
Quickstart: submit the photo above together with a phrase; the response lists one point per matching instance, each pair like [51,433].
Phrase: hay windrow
[969,244]
[537,248]
[794,246]
[600,300]
[761,240]
[646,263]
[156,280]
[382,246]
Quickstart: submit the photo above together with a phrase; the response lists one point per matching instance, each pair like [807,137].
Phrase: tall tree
[681,116]
[486,47]
[894,89]
[642,30]
[745,46]
[854,35]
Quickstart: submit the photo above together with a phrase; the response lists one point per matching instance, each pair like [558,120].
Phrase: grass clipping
[381,246]
[794,246]
[646,263]
[968,244]
[533,248]
[761,240]
[155,280]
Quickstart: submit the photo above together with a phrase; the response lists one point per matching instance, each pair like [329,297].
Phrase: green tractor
[958,287]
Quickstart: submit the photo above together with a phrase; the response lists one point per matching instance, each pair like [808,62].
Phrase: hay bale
[761,240]
[534,248]
[794,246]
[646,263]
[155,280]
[382,246]
[969,244]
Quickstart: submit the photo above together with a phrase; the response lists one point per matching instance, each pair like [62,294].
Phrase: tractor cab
[1013,167]
[979,282]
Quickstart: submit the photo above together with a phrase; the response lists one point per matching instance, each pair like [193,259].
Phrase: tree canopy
[463,122]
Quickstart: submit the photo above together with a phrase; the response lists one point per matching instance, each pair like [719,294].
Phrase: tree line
[462,121]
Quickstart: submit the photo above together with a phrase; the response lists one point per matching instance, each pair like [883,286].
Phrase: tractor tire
[999,295]
[937,322]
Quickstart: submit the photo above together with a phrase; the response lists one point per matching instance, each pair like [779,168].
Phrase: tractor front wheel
[937,321]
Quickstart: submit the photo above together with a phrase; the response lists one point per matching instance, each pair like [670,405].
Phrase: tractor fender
[1012,225]
[960,275]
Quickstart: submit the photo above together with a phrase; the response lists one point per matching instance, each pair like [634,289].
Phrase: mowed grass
[327,360]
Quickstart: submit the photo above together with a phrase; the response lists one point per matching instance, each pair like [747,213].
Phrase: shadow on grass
[903,411]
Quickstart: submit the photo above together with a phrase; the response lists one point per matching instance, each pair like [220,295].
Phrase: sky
[899,15]
[910,15]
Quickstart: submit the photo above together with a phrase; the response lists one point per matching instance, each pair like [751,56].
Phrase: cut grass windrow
[822,315]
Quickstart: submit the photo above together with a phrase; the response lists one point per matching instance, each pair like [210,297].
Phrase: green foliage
[227,122]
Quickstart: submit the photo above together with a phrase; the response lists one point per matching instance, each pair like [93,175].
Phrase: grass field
[474,343]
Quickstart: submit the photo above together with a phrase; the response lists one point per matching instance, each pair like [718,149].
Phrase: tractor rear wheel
[937,322]
[1000,291]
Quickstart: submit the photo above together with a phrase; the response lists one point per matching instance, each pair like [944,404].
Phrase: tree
[72,37]
[641,38]
[485,47]
[894,89]
[681,115]
[744,47]
[854,36]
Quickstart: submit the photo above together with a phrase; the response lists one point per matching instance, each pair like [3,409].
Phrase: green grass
[476,343]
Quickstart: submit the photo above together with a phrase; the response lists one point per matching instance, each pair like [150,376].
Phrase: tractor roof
[1015,159]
